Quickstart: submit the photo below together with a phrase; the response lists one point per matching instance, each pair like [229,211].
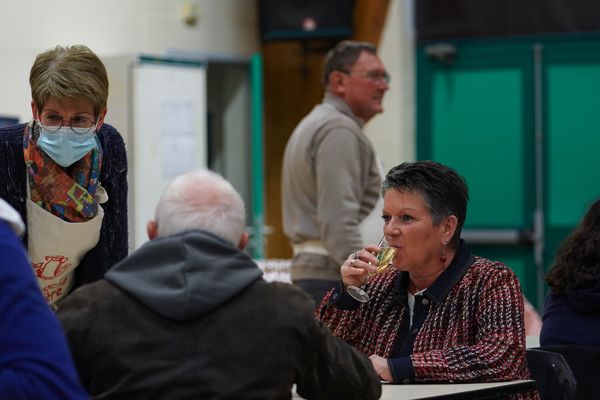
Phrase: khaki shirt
[330,182]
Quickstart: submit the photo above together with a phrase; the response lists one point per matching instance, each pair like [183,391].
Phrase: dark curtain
[454,19]
[293,19]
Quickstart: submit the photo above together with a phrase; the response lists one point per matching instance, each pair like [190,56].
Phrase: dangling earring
[443,258]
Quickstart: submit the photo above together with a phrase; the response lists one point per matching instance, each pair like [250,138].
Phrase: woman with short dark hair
[440,314]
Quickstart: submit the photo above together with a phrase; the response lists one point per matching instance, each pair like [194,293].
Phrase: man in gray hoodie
[188,315]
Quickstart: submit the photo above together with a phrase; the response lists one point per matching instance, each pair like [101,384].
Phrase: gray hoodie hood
[184,276]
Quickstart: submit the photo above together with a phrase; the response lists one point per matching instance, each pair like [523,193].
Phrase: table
[451,391]
[455,391]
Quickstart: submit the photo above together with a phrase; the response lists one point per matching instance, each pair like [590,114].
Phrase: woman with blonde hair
[65,172]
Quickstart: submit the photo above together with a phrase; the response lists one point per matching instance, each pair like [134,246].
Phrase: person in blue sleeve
[35,362]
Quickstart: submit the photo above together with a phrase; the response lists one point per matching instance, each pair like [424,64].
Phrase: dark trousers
[316,288]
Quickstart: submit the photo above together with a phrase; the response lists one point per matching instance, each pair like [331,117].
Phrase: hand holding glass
[385,257]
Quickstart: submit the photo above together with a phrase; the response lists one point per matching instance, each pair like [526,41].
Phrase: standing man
[331,177]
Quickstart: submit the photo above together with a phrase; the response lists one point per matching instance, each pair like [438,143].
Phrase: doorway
[517,118]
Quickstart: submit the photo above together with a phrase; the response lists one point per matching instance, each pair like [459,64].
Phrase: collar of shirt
[341,106]
[440,288]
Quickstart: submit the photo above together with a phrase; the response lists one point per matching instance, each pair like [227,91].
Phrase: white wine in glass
[384,259]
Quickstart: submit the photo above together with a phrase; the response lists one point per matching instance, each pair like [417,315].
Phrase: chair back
[554,378]
[584,361]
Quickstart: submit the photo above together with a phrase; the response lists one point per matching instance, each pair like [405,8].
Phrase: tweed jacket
[113,243]
[467,326]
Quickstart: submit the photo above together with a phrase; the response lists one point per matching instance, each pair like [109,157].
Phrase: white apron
[371,228]
[56,247]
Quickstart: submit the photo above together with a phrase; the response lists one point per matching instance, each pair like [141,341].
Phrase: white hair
[201,200]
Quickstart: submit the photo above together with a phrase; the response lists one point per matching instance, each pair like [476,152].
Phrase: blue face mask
[65,146]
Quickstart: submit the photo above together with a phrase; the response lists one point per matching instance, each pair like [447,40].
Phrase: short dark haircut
[577,262]
[444,191]
[343,56]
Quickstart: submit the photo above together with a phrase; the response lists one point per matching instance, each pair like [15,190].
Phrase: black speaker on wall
[305,19]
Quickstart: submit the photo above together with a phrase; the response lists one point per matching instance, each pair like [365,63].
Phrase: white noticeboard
[168,136]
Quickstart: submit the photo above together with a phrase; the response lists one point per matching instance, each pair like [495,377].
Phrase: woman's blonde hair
[71,72]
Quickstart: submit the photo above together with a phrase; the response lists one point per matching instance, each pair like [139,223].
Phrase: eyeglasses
[374,76]
[79,124]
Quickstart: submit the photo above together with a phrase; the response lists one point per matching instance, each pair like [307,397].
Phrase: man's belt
[310,246]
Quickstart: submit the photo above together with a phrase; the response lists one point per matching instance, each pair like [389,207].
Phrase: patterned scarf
[69,193]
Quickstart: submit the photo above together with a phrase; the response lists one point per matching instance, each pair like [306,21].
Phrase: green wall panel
[477,113]
[477,128]
[518,258]
[573,125]
[519,266]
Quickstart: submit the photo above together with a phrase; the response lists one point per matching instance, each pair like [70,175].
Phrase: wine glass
[385,257]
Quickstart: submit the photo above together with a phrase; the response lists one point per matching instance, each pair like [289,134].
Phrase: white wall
[393,131]
[114,27]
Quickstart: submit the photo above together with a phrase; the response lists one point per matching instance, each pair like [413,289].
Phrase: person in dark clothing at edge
[34,358]
[572,308]
[188,314]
